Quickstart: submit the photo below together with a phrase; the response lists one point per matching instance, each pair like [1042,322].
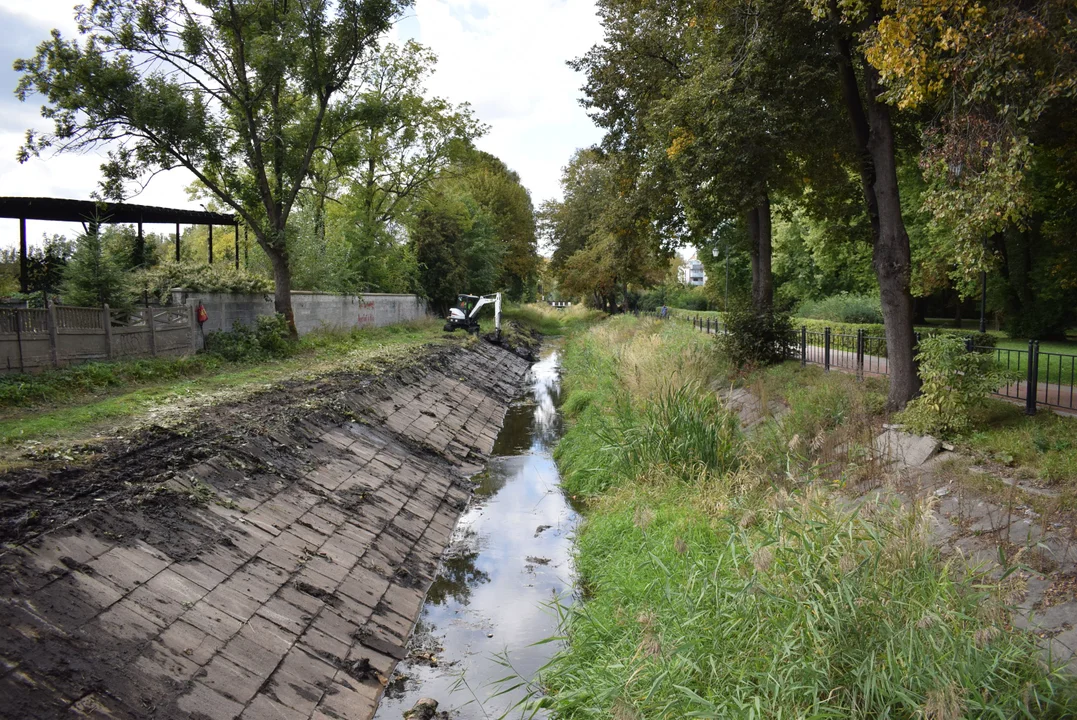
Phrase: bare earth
[264,560]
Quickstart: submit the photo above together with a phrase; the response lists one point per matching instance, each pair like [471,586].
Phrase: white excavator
[465,315]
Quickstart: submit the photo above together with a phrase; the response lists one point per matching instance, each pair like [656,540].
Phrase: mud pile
[517,339]
[267,559]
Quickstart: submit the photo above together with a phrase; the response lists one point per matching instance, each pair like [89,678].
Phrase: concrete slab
[317,555]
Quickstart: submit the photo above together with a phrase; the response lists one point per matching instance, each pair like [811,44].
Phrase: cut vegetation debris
[727,576]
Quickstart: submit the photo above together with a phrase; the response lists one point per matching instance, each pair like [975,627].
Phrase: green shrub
[268,338]
[844,308]
[955,382]
[756,339]
[158,281]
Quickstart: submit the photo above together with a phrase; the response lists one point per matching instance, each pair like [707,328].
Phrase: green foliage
[684,431]
[955,382]
[703,603]
[859,309]
[96,377]
[1045,443]
[245,96]
[93,277]
[754,339]
[728,597]
[601,239]
[158,281]
[552,321]
[674,296]
[269,338]
[473,232]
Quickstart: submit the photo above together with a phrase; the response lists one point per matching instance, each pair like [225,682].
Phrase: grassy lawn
[78,403]
[723,578]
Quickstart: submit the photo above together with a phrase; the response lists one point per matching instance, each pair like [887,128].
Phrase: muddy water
[510,557]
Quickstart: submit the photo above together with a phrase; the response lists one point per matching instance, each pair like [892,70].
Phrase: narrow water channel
[511,555]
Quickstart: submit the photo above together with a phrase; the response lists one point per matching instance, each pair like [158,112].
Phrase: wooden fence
[34,339]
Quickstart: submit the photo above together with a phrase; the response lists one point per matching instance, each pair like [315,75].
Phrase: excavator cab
[465,315]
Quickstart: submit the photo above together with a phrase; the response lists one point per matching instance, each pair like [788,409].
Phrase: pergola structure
[94,213]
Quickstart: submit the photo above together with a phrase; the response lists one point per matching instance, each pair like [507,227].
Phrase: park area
[569,359]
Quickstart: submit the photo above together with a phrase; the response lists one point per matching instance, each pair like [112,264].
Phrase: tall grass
[721,582]
[550,320]
[797,608]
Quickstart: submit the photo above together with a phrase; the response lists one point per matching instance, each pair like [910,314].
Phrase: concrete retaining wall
[313,311]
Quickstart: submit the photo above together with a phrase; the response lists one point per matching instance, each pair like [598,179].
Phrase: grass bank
[75,402]
[550,320]
[723,576]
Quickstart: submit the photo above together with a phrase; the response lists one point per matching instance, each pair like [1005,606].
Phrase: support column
[236,228]
[177,243]
[210,244]
[141,246]
[24,281]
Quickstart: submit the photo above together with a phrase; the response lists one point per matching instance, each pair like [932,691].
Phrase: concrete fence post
[106,318]
[192,323]
[148,315]
[18,338]
[54,333]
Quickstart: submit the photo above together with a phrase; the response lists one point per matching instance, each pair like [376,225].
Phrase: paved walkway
[283,599]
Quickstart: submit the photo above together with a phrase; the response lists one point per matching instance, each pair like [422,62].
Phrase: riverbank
[727,575]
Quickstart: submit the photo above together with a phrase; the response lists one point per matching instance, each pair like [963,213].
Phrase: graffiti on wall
[366,314]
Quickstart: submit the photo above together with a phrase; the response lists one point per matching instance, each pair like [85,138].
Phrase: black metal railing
[1043,377]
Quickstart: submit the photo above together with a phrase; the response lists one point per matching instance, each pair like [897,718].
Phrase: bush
[844,308]
[955,382]
[268,338]
[755,339]
[158,281]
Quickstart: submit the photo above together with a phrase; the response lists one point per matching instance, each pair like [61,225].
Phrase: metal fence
[1045,378]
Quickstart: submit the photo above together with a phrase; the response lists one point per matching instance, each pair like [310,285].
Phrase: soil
[517,339]
[182,494]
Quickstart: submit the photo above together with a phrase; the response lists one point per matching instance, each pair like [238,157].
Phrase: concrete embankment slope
[267,560]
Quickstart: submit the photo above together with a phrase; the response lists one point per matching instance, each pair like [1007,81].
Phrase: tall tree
[601,241]
[239,92]
[847,23]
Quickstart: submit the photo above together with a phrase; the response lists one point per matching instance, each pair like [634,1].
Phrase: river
[510,558]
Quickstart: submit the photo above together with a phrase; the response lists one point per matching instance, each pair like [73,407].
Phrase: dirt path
[264,560]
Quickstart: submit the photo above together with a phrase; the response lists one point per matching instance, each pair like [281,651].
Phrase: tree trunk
[282,281]
[761,250]
[891,255]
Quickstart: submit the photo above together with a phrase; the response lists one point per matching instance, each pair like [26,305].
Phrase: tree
[601,241]
[999,80]
[401,139]
[498,190]
[93,277]
[242,93]
[847,23]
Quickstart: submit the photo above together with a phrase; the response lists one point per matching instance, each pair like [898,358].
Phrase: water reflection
[511,555]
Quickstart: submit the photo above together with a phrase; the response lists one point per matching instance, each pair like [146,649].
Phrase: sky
[504,57]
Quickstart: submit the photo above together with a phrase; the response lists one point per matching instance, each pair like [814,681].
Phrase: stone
[906,450]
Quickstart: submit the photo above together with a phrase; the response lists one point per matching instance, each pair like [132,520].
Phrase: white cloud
[507,58]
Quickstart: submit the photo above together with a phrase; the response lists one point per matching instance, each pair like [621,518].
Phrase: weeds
[724,581]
